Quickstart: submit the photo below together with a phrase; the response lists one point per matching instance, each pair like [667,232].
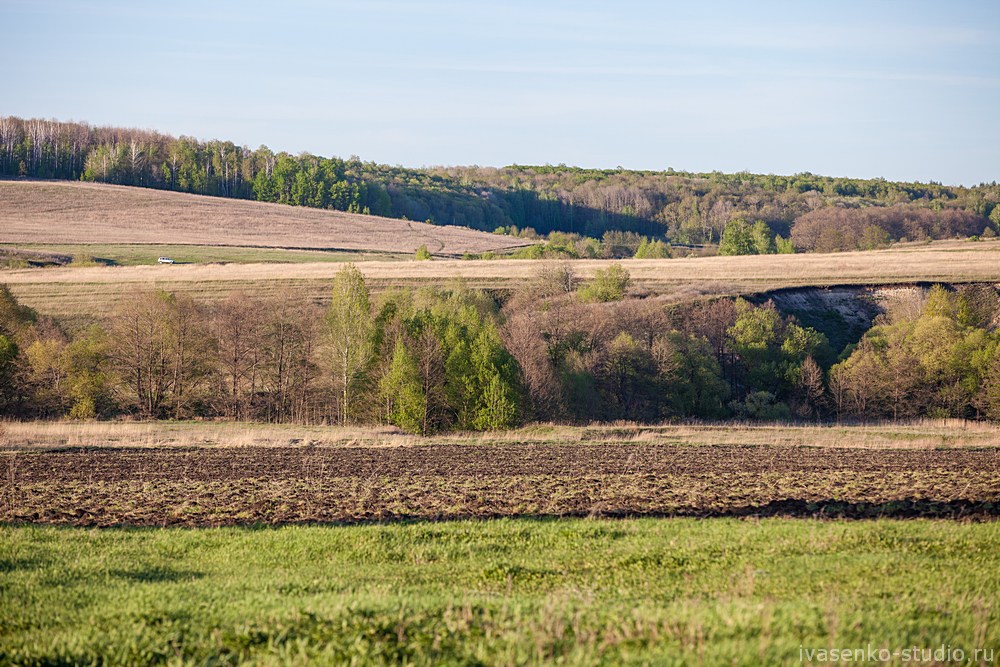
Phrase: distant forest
[803,212]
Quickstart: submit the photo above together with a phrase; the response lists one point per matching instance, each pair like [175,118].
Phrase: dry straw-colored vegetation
[86,291]
[925,434]
[69,213]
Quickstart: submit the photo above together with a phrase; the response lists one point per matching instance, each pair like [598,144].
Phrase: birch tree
[348,328]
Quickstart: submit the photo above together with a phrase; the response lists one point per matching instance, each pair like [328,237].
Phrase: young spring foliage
[943,362]
[448,368]
[434,360]
[608,284]
[348,332]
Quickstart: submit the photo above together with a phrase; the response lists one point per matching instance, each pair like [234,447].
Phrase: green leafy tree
[348,329]
[609,284]
[468,380]
[47,373]
[762,406]
[655,249]
[737,238]
[497,408]
[692,377]
[402,391]
[995,216]
[536,251]
[763,239]
[422,253]
[89,380]
[770,351]
[8,358]
[495,382]
[939,363]
[581,396]
[874,237]
[987,399]
[783,246]
[629,381]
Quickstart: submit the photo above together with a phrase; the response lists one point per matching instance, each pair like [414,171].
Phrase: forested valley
[738,213]
[557,349]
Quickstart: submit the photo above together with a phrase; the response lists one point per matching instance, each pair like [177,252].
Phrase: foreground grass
[496,592]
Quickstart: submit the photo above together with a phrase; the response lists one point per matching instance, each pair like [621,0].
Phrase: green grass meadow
[147,254]
[516,591]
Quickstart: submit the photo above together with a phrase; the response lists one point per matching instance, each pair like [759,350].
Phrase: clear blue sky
[904,90]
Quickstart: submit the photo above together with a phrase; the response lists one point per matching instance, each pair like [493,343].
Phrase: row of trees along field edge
[431,360]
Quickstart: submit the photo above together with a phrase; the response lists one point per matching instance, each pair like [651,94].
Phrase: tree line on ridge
[809,212]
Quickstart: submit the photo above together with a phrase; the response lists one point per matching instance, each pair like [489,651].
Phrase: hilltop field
[60,214]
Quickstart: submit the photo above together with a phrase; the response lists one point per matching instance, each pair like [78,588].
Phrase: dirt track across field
[225,486]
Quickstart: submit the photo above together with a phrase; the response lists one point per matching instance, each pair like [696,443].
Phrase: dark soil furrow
[107,464]
[233,486]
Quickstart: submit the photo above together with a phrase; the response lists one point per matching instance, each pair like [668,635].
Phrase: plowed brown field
[274,485]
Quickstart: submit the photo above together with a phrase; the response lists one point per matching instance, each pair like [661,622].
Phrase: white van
[165,260]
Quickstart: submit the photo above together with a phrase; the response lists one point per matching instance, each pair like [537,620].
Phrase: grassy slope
[121,254]
[498,592]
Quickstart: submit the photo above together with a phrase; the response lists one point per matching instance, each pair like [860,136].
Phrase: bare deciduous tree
[237,322]
[141,350]
[523,339]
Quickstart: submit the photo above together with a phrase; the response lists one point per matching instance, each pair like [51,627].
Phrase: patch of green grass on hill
[140,254]
[496,592]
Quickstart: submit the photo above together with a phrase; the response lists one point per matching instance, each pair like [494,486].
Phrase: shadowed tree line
[807,211]
[557,349]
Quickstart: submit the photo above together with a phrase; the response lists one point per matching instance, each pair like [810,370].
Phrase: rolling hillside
[50,212]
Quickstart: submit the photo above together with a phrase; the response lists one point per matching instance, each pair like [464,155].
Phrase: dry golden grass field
[918,435]
[83,292]
[52,212]
[255,240]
